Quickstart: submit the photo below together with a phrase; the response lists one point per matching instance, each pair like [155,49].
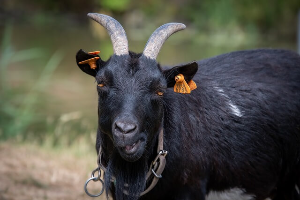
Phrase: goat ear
[83,56]
[188,71]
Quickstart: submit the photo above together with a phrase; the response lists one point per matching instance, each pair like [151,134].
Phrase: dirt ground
[28,172]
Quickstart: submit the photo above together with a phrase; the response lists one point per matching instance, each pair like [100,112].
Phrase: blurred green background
[45,98]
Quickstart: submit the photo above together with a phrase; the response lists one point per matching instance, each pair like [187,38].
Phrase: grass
[23,113]
[18,104]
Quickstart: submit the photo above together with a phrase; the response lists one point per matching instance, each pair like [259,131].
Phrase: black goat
[239,129]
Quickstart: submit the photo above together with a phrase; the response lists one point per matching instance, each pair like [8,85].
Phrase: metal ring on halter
[94,179]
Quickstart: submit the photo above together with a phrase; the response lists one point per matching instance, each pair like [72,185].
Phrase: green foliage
[115,5]
[18,105]
[23,107]
[275,16]
[267,16]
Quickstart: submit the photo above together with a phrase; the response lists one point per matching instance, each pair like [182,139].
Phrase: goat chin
[130,177]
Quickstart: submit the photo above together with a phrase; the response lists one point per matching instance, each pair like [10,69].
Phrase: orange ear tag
[94,52]
[91,62]
[181,86]
[192,85]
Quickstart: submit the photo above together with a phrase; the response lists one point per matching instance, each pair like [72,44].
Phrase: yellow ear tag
[91,62]
[181,86]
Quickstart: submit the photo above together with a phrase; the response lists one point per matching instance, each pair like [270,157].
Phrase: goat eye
[101,85]
[160,93]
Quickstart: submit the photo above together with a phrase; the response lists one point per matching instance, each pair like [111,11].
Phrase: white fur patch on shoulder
[231,194]
[297,189]
[234,108]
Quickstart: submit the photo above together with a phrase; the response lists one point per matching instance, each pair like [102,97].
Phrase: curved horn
[115,31]
[159,36]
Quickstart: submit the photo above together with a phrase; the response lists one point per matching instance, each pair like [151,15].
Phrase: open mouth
[130,149]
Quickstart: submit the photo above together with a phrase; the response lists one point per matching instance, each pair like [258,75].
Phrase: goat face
[130,103]
[130,88]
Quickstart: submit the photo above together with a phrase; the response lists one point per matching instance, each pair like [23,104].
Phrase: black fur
[239,128]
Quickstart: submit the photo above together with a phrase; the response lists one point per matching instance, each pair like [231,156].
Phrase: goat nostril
[125,127]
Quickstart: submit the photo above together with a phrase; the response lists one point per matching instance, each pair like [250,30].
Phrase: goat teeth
[129,147]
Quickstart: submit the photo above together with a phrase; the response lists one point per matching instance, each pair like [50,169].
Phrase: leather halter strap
[158,165]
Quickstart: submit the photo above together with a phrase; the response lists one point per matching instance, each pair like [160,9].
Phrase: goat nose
[125,127]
